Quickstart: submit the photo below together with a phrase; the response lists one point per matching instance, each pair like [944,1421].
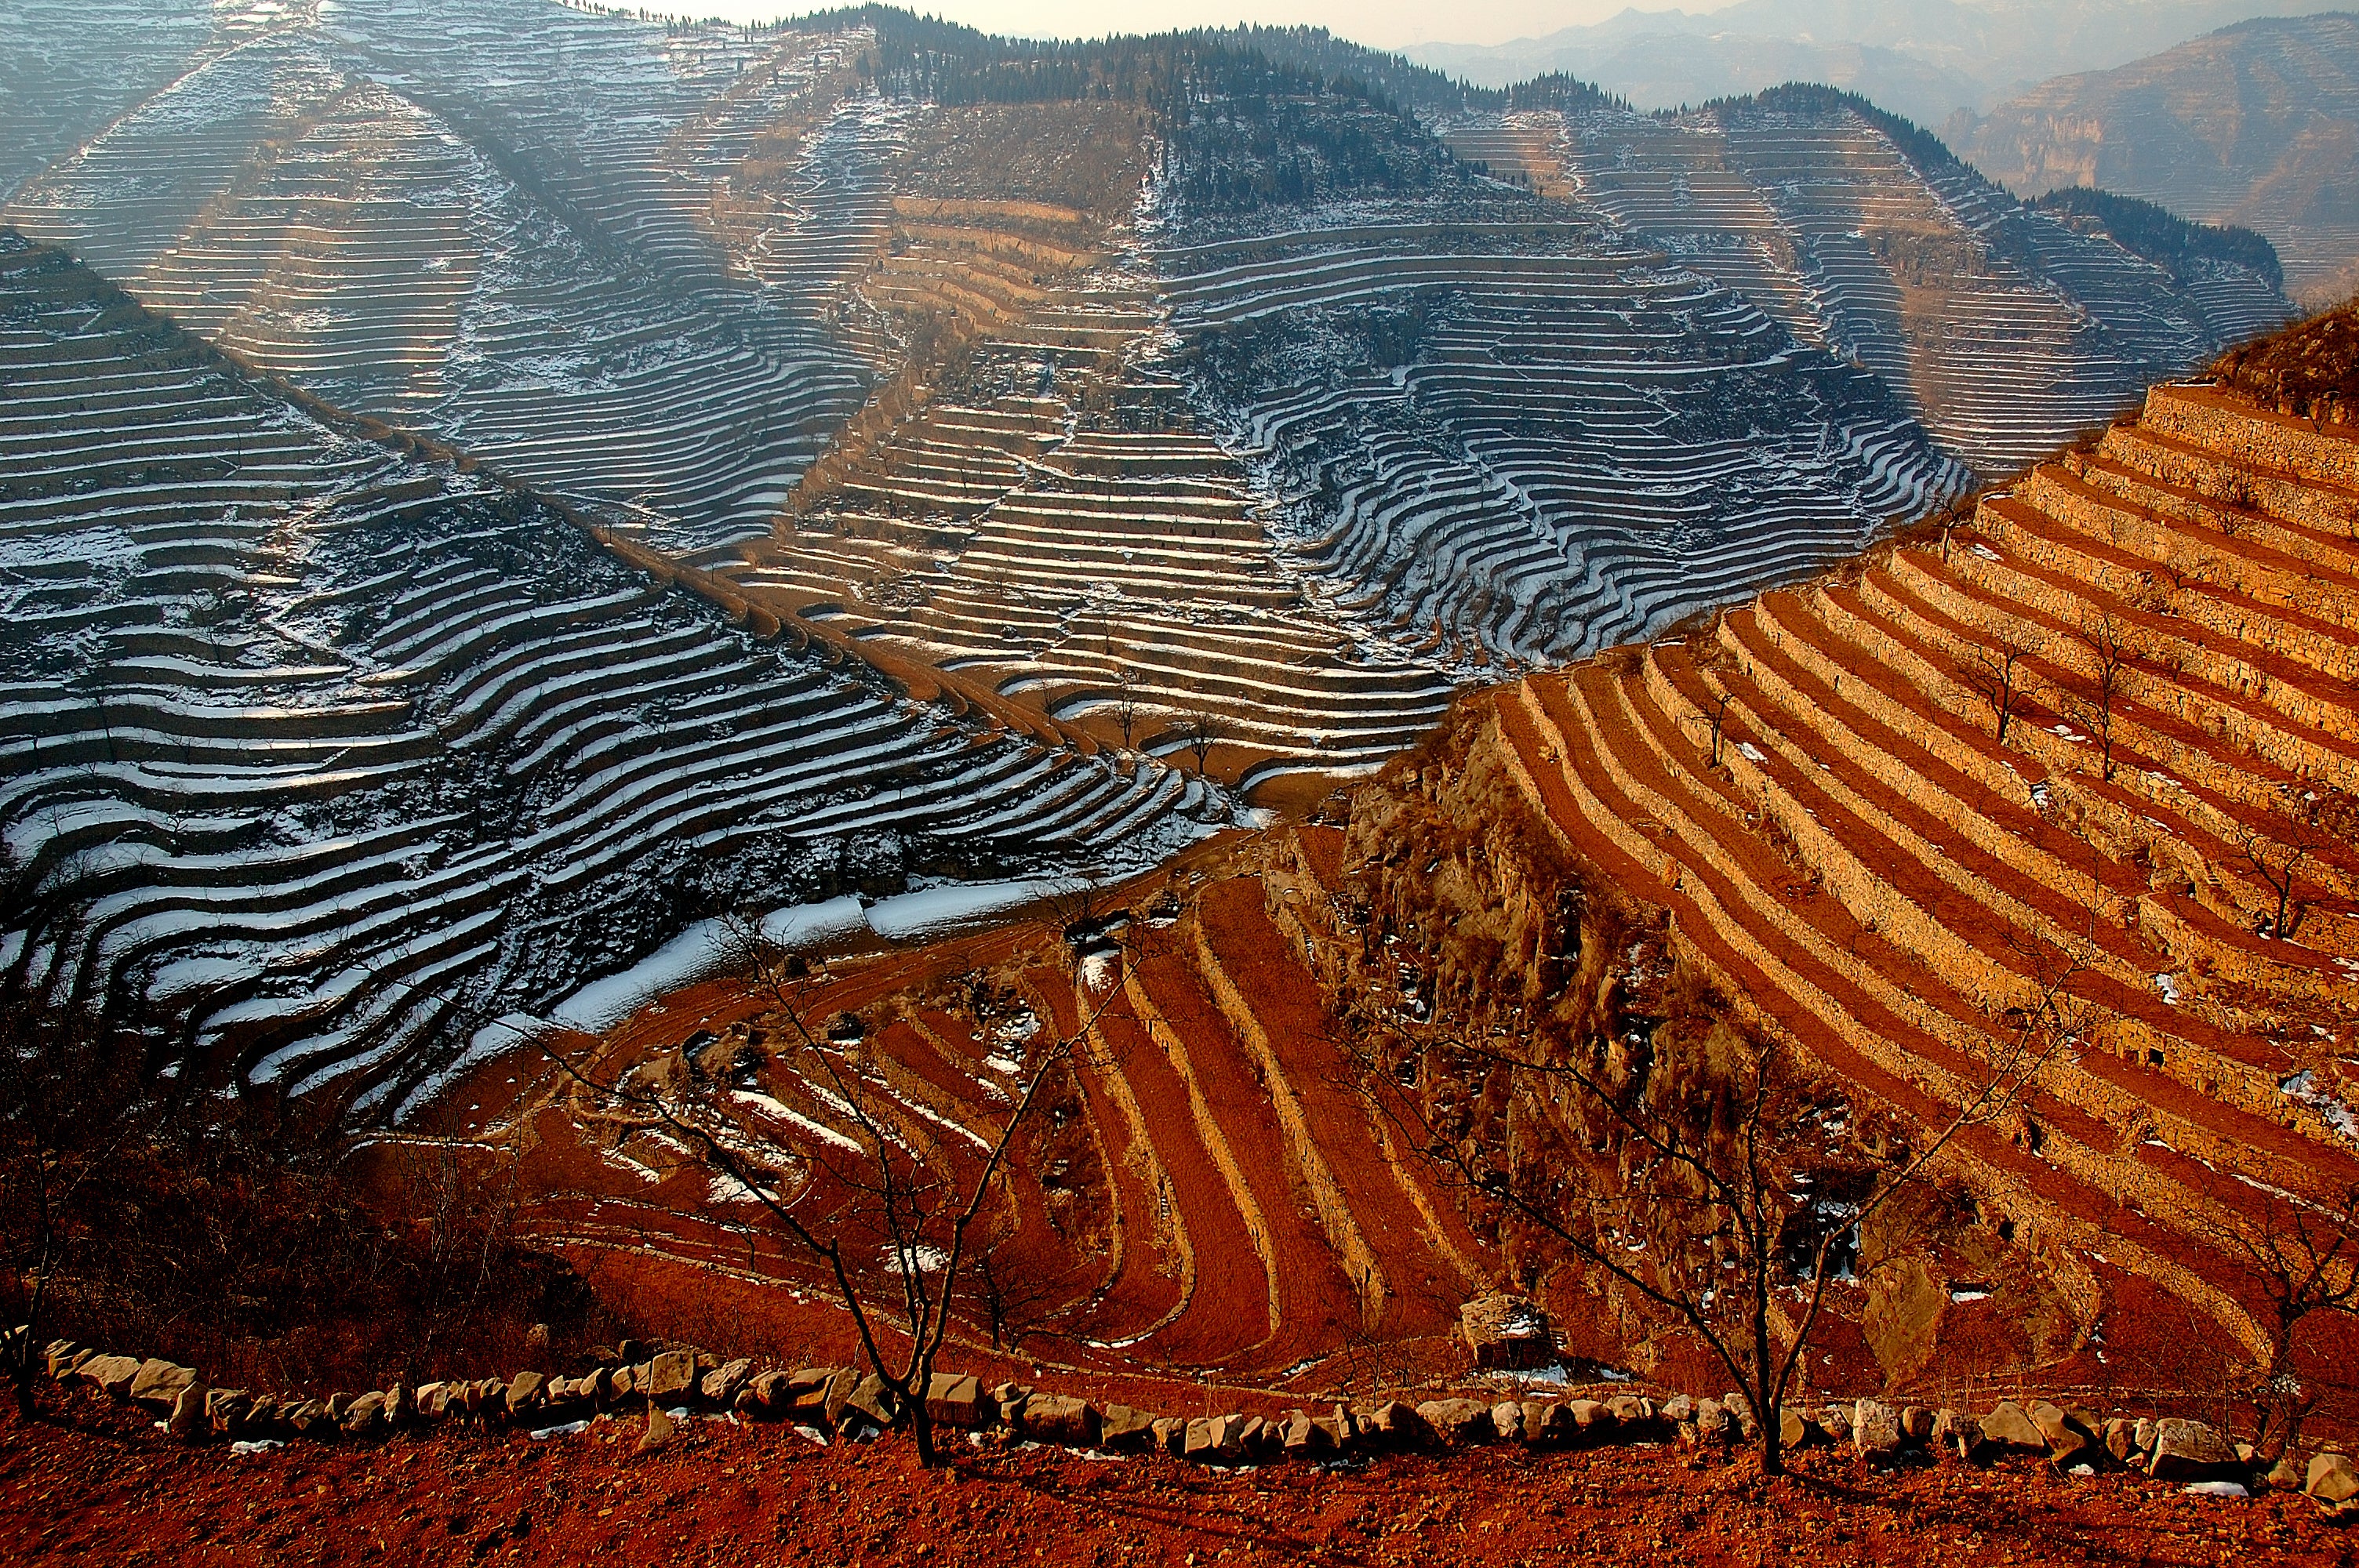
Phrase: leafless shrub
[887,1200]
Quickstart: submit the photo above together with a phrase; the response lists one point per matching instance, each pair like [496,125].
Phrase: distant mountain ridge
[2256,124]
[1923,58]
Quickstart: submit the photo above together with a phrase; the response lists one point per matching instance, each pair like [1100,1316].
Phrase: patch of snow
[1970,1295]
[2304,1088]
[954,906]
[248,1447]
[2168,985]
[805,925]
[793,1117]
[2216,1490]
[563,1429]
[1750,752]
[704,948]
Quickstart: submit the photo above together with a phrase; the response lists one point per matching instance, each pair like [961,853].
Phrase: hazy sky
[1387,24]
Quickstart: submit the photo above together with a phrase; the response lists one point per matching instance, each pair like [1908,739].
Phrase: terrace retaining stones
[2193,1451]
[2010,1426]
[1457,1422]
[158,1383]
[114,1374]
[1874,1428]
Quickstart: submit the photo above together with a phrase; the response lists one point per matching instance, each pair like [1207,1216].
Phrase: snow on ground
[710,947]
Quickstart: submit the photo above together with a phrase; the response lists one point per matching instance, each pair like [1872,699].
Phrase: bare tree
[2277,849]
[2304,1254]
[1125,703]
[2277,857]
[1720,1180]
[1993,671]
[1717,717]
[1201,735]
[920,1219]
[2112,647]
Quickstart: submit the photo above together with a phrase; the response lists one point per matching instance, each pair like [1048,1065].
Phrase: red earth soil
[95,1485]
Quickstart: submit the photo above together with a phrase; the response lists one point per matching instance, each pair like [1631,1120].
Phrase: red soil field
[99,1487]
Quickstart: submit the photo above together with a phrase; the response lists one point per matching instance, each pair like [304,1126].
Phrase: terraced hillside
[556,238]
[1033,507]
[2105,738]
[1200,1190]
[1511,437]
[891,324]
[2254,125]
[2092,759]
[2004,329]
[321,751]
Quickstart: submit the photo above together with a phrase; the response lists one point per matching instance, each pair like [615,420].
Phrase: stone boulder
[1550,1424]
[658,1429]
[1956,1433]
[109,1373]
[1303,1437]
[1631,1411]
[2009,1426]
[1170,1434]
[1506,1333]
[1392,1424]
[1508,1420]
[870,1404]
[721,1385]
[956,1400]
[2193,1451]
[1055,1417]
[112,1374]
[805,1394]
[524,1391]
[1263,1439]
[1795,1429]
[1591,1418]
[671,1376]
[364,1417]
[1714,1424]
[1215,1440]
[1874,1428]
[765,1394]
[2120,1438]
[228,1411]
[2069,1442]
[1125,1427]
[1457,1422]
[187,1420]
[158,1384]
[2333,1482]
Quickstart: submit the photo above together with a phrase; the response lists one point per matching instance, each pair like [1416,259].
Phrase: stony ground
[93,1485]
